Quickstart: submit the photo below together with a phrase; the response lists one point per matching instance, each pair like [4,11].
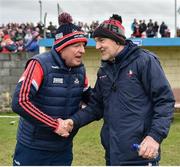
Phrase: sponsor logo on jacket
[102,76]
[76,81]
[58,80]
[130,73]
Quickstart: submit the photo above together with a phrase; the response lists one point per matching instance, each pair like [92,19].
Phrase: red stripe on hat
[75,40]
[67,36]
[115,23]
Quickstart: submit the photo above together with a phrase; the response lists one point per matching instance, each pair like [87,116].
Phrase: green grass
[171,146]
[7,140]
[87,147]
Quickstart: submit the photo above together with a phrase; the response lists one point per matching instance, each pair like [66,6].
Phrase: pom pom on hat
[116,17]
[64,18]
[112,29]
[67,33]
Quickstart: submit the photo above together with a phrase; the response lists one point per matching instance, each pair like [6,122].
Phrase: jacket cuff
[58,124]
[76,124]
[156,136]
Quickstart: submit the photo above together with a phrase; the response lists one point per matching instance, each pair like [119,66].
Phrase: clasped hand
[65,127]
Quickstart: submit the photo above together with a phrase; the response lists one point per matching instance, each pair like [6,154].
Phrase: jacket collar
[125,56]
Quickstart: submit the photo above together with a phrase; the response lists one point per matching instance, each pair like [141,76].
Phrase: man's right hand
[68,124]
[64,128]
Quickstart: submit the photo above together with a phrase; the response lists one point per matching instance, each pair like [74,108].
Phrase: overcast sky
[89,10]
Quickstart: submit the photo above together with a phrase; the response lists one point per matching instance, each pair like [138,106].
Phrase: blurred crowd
[19,37]
[150,30]
[16,37]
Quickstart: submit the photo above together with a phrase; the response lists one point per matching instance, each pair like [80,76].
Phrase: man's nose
[82,49]
[98,46]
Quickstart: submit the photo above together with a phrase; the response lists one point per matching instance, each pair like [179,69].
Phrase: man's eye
[76,45]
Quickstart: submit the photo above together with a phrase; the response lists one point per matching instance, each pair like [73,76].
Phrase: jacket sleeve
[87,91]
[25,90]
[94,110]
[159,91]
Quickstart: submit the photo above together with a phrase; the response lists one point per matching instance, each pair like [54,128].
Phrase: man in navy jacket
[133,97]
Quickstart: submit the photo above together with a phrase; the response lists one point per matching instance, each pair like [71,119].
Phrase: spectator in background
[1,38]
[156,28]
[163,28]
[85,28]
[49,34]
[12,34]
[40,28]
[142,26]
[178,32]
[135,29]
[19,34]
[167,33]
[133,25]
[150,31]
[28,36]
[20,44]
[52,30]
[7,44]
[32,45]
[93,27]
[150,23]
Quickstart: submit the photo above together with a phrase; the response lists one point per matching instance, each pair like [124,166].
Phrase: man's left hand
[149,148]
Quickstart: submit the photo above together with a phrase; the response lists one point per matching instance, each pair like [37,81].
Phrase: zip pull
[113,87]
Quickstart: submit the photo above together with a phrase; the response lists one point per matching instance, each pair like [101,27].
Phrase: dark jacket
[134,98]
[59,96]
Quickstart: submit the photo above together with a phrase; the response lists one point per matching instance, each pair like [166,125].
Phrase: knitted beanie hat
[112,29]
[67,33]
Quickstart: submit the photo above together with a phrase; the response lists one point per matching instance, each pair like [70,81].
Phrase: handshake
[65,127]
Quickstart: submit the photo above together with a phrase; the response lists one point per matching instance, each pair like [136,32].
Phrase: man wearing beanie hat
[50,89]
[133,97]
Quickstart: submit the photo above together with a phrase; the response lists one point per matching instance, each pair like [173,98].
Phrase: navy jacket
[134,98]
[59,96]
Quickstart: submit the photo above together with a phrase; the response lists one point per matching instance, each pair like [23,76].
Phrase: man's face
[107,47]
[72,54]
